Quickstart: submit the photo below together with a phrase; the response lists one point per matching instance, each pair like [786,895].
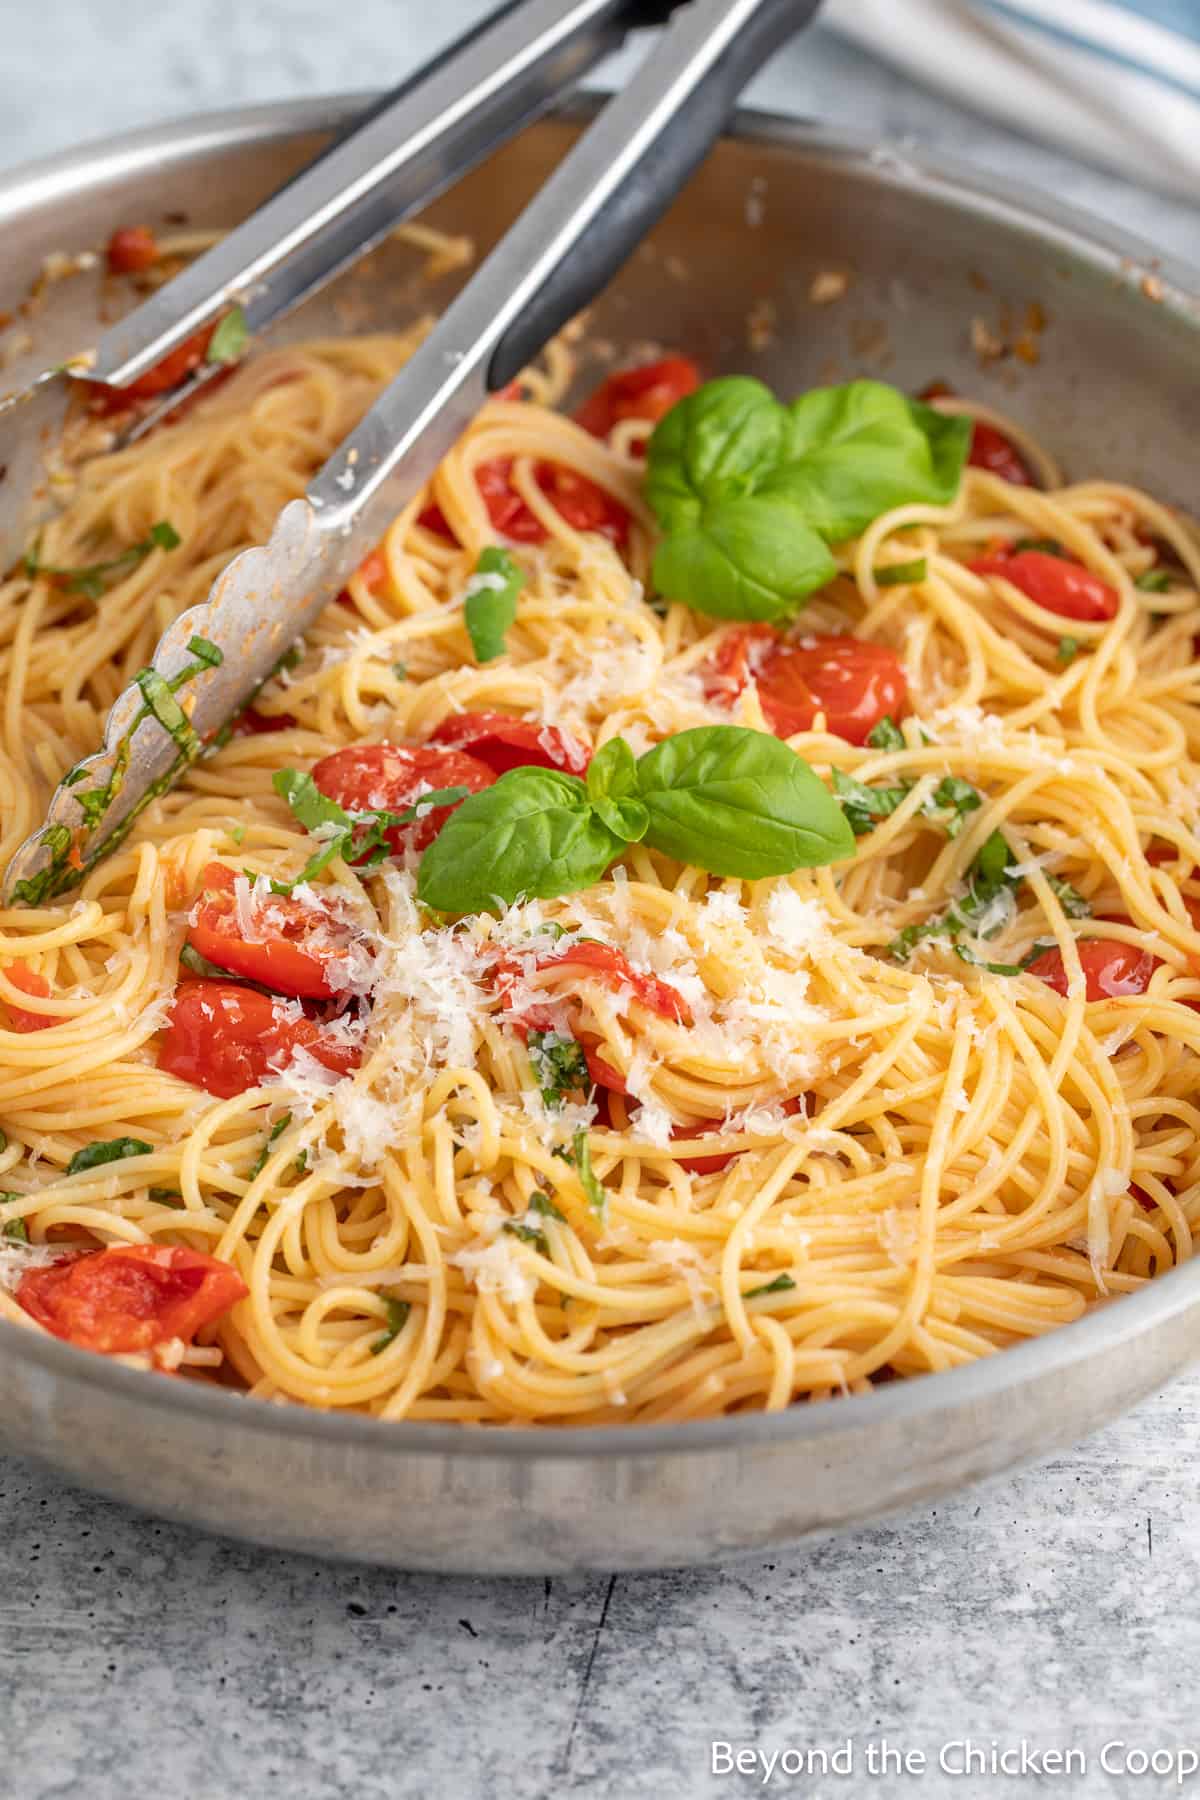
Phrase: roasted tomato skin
[295,949]
[1112,970]
[252,723]
[226,1038]
[175,367]
[1062,587]
[647,392]
[391,777]
[131,249]
[855,683]
[991,450]
[130,1297]
[603,963]
[504,742]
[20,975]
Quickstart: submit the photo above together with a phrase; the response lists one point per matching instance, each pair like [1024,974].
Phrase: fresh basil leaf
[612,789]
[901,574]
[540,1202]
[738,802]
[983,911]
[781,1285]
[528,1234]
[864,805]
[753,557]
[110,1150]
[166,1196]
[1068,649]
[559,1065]
[229,339]
[533,833]
[749,493]
[397,1317]
[887,735]
[1153,581]
[854,452]
[490,606]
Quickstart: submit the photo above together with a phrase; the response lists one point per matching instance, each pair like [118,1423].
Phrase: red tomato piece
[991,450]
[504,742]
[583,505]
[291,947]
[1062,587]
[609,966]
[131,249]
[853,682]
[648,392]
[175,367]
[251,723]
[434,519]
[1112,970]
[373,572]
[227,1038]
[390,777]
[130,1296]
[20,975]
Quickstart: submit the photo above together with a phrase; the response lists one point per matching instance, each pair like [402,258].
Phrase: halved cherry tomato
[20,975]
[853,682]
[251,723]
[503,743]
[583,505]
[1063,587]
[131,249]
[991,450]
[604,963]
[391,777]
[290,947]
[372,571]
[227,1038]
[1112,970]
[174,367]
[130,1297]
[648,392]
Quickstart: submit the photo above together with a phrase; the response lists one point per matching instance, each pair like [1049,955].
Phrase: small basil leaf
[396,1312]
[532,834]
[887,735]
[750,558]
[490,606]
[229,339]
[714,445]
[863,805]
[612,789]
[741,803]
[311,807]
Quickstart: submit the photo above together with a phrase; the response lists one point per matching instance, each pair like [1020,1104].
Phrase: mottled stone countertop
[1058,1605]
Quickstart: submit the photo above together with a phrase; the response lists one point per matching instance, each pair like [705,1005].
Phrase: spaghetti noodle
[870,1119]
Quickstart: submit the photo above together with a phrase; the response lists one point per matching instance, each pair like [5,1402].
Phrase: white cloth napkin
[1115,81]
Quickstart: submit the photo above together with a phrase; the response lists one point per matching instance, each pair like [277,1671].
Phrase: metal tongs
[608,190]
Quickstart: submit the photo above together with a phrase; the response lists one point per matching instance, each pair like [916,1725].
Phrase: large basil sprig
[727,800]
[750,493]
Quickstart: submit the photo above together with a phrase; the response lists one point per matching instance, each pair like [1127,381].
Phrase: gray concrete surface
[1056,1607]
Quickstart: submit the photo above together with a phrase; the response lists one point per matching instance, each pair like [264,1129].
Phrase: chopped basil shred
[983,911]
[887,735]
[559,1065]
[93,580]
[490,606]
[580,1159]
[166,1196]
[229,339]
[360,837]
[277,1130]
[397,1317]
[1068,649]
[1153,581]
[780,1285]
[901,574]
[92,1156]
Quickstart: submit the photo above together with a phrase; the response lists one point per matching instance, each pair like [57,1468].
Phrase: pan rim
[34,186]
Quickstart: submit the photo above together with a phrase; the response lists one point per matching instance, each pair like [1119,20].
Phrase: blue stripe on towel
[1075,40]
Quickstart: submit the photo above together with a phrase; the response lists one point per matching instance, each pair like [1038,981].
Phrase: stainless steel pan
[729,275]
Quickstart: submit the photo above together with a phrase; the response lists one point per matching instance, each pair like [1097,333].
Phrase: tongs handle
[692,126]
[405,150]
